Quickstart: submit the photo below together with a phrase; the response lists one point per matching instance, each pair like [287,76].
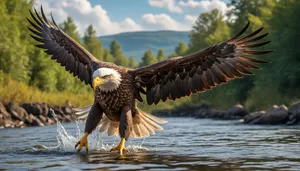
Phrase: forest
[28,74]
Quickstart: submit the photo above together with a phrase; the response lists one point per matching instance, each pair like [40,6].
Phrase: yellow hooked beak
[97,81]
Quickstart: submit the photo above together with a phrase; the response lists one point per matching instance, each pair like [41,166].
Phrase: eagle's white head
[107,79]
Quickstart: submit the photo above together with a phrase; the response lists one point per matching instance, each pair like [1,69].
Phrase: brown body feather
[113,101]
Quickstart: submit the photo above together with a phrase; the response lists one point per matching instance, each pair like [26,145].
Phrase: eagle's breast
[113,101]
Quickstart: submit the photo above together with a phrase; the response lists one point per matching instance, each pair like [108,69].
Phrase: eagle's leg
[121,147]
[92,121]
[83,142]
[125,128]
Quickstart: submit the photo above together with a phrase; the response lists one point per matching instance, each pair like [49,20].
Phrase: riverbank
[272,116]
[24,115]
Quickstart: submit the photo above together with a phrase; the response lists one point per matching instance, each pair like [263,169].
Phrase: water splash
[66,142]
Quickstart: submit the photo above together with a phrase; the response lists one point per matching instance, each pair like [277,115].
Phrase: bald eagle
[117,88]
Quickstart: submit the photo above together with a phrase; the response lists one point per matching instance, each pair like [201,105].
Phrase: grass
[11,90]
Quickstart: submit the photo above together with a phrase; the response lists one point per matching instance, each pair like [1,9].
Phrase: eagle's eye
[106,76]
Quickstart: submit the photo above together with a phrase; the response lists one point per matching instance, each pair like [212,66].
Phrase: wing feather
[61,47]
[182,76]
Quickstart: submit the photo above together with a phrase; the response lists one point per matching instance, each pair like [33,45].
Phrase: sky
[116,16]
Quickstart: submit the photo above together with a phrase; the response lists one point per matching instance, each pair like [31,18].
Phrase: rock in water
[67,110]
[2,120]
[237,111]
[294,113]
[275,115]
[4,112]
[34,121]
[33,108]
[43,119]
[253,117]
[45,109]
[57,110]
[32,114]
[15,115]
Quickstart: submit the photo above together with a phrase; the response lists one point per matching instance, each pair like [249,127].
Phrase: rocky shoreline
[274,115]
[24,115]
[13,115]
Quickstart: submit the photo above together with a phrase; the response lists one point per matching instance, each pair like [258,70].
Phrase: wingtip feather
[240,33]
[53,21]
[43,15]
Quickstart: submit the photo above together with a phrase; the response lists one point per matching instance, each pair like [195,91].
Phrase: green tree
[43,70]
[14,44]
[210,28]
[46,79]
[70,28]
[257,12]
[173,54]
[123,61]
[181,48]
[92,44]
[278,82]
[148,58]
[117,53]
[107,57]
[161,55]
[131,62]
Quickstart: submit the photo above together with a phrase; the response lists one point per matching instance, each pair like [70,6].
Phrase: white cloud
[84,14]
[205,5]
[169,4]
[190,19]
[164,22]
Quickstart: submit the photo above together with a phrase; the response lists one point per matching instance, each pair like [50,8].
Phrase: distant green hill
[136,43]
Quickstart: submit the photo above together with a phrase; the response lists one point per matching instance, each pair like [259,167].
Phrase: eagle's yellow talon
[83,142]
[121,147]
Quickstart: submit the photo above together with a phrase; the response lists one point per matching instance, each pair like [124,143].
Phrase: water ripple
[185,144]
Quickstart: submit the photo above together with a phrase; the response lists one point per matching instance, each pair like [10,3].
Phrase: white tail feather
[83,117]
[85,108]
[149,128]
[113,128]
[144,130]
[82,112]
[156,119]
[151,123]
[145,124]
[137,131]
[104,126]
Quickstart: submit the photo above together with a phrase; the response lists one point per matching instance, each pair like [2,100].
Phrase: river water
[185,144]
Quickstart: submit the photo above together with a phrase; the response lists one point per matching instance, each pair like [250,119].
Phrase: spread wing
[182,76]
[63,48]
